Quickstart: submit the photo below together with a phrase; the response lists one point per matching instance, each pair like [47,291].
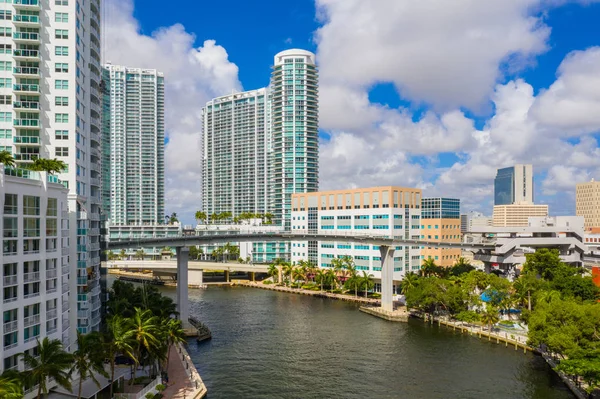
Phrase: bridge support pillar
[227,276]
[182,285]
[252,276]
[387,277]
[195,277]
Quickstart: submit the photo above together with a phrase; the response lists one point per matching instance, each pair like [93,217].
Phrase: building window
[31,205]
[61,34]
[61,2]
[61,84]
[61,118]
[62,134]
[5,100]
[61,17]
[61,50]
[62,151]
[61,101]
[61,67]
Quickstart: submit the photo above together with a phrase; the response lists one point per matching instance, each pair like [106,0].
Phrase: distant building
[514,185]
[467,221]
[517,214]
[440,221]
[132,231]
[392,211]
[587,200]
[133,182]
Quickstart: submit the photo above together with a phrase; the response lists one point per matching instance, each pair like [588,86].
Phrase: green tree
[331,278]
[273,271]
[11,386]
[140,254]
[462,266]
[409,282]
[52,362]
[490,316]
[6,158]
[51,166]
[174,333]
[321,277]
[146,333]
[173,218]
[429,268]
[544,262]
[268,218]
[288,269]
[88,359]
[200,216]
[525,286]
[118,339]
[366,282]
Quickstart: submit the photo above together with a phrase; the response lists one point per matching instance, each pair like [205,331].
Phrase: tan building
[517,215]
[447,230]
[587,198]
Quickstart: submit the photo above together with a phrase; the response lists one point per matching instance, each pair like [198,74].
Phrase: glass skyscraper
[295,130]
[440,208]
[514,185]
[134,145]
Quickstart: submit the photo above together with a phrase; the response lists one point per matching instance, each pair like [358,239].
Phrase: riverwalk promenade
[184,380]
[300,291]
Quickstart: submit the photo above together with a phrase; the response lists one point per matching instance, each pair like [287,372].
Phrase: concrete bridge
[386,245]
[195,269]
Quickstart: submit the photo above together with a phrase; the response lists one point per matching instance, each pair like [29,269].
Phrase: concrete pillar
[182,285]
[195,277]
[280,275]
[387,277]
[227,275]
[252,276]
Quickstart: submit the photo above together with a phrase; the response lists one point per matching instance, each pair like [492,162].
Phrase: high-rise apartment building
[514,185]
[440,221]
[587,203]
[235,153]
[50,107]
[134,135]
[295,130]
[390,211]
[36,274]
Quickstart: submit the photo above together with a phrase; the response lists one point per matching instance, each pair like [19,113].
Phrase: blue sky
[432,94]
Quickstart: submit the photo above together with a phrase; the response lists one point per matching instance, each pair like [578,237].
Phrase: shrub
[468,316]
[338,291]
[267,282]
[506,323]
[149,395]
[160,387]
[375,295]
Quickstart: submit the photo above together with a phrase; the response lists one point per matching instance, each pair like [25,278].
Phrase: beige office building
[517,215]
[587,198]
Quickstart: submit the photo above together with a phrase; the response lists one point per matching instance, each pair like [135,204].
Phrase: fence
[141,394]
[192,373]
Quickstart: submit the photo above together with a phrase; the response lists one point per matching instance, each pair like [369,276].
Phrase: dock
[399,314]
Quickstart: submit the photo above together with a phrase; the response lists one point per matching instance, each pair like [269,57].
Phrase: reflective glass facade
[504,184]
[440,208]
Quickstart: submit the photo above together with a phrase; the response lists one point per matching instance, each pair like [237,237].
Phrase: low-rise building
[37,279]
[517,215]
[468,220]
[440,221]
[391,211]
[510,244]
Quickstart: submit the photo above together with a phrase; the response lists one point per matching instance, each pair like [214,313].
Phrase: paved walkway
[180,385]
[300,291]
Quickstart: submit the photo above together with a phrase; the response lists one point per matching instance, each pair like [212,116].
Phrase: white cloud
[562,178]
[448,54]
[193,75]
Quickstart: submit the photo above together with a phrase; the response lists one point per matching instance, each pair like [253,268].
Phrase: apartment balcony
[11,326]
[11,346]
[94,246]
[64,251]
[26,55]
[65,306]
[65,288]
[32,295]
[26,88]
[66,269]
[31,320]
[52,273]
[26,141]
[10,280]
[29,106]
[26,157]
[94,181]
[31,277]
[26,20]
[95,137]
[52,330]
[26,37]
[94,232]
[51,290]
[51,314]
[27,123]
[26,4]
[26,72]
[95,152]
[84,314]
[65,325]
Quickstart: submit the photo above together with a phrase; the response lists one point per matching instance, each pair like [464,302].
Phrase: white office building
[50,107]
[389,211]
[134,145]
[37,281]
[235,154]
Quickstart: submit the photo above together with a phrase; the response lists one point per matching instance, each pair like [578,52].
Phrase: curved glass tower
[295,130]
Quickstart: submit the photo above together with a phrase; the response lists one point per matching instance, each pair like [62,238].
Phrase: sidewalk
[300,291]
[180,384]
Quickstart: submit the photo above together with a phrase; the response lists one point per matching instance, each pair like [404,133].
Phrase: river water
[274,345]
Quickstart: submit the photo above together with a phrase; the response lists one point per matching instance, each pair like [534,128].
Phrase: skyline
[461,96]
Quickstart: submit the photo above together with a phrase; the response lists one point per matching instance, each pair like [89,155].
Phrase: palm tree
[268,218]
[321,277]
[140,254]
[118,338]
[490,316]
[122,254]
[200,216]
[354,280]
[409,282]
[298,274]
[145,333]
[429,268]
[525,286]
[88,359]
[548,296]
[331,279]
[273,271]
[288,269]
[173,218]
[366,282]
[6,158]
[52,362]
[11,386]
[51,166]
[174,334]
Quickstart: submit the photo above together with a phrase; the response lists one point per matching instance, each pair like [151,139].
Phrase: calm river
[275,345]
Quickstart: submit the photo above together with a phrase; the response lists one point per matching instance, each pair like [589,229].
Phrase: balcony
[95,261]
[51,290]
[26,88]
[26,140]
[26,105]
[51,330]
[26,37]
[82,280]
[84,314]
[10,280]
[26,20]
[26,55]
[31,320]
[11,326]
[10,346]
[26,157]
[31,277]
[94,181]
[65,288]
[26,4]
[65,306]
[66,269]
[26,71]
[11,299]
[51,314]
[32,338]
[65,325]
[31,295]
[95,152]
[52,273]
[64,251]
[27,123]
